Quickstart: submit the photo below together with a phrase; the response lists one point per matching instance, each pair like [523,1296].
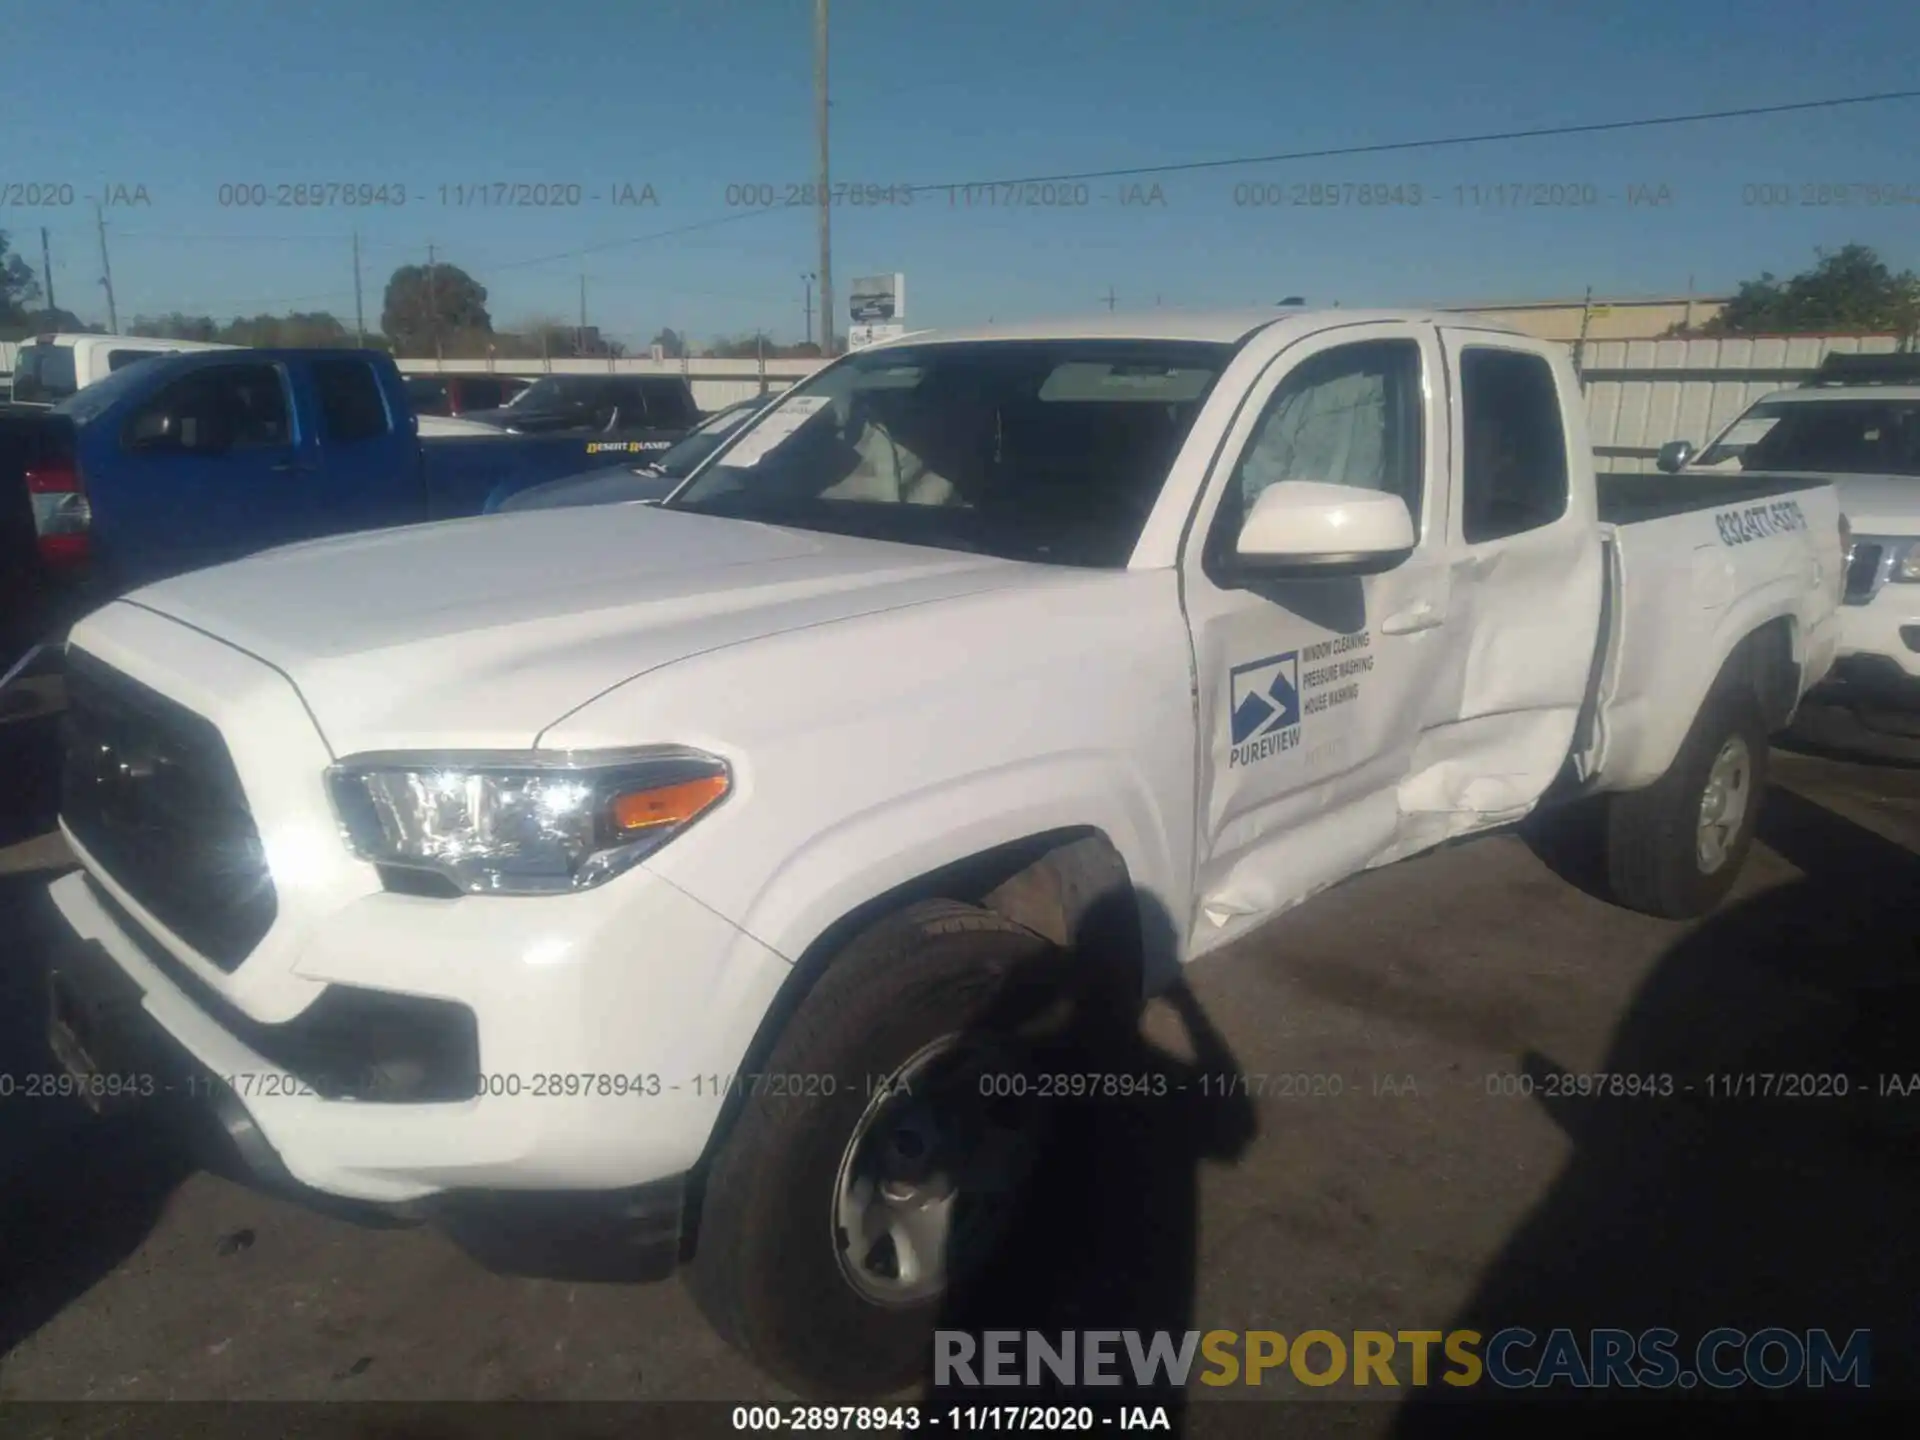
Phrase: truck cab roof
[1220,326]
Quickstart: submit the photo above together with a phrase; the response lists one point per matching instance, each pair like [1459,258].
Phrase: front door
[1314,694]
[213,467]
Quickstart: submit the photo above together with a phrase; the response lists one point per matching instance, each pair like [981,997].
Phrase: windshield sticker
[780,423]
[1266,699]
[625,447]
[1759,522]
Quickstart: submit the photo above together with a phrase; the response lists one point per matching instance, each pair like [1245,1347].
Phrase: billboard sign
[878,299]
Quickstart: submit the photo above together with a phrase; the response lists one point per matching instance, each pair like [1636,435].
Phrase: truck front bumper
[1870,700]
[603,1056]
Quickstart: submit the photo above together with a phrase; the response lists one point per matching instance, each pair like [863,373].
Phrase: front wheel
[880,1154]
[1675,848]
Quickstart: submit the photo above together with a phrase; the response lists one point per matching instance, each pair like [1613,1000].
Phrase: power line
[1187,166]
[1539,132]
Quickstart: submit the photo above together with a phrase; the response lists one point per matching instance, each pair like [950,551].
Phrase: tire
[1655,862]
[767,1270]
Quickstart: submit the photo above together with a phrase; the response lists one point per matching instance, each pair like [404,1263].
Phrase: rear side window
[670,406]
[1513,446]
[44,372]
[351,406]
[480,395]
[427,396]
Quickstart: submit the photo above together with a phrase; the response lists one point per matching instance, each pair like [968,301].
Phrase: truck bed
[1631,499]
[1693,566]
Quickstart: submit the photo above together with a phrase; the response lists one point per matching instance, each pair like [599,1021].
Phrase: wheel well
[1070,886]
[1765,661]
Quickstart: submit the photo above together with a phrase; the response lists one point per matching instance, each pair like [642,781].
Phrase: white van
[49,368]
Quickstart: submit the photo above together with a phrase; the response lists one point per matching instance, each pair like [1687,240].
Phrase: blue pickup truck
[183,461]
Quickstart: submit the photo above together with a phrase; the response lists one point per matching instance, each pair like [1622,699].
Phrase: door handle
[1417,617]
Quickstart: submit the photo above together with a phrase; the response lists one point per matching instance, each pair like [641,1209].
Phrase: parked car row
[195,458]
[650,480]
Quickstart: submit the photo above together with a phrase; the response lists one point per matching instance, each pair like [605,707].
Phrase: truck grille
[150,790]
[1863,567]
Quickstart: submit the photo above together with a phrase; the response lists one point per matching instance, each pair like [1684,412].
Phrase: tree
[18,288]
[753,346]
[175,326]
[443,303]
[59,322]
[312,330]
[1850,289]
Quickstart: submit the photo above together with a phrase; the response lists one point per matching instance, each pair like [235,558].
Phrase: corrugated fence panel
[1643,393]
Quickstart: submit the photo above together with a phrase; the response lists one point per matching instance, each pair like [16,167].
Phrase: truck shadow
[78,1194]
[1107,1231]
[1702,1210]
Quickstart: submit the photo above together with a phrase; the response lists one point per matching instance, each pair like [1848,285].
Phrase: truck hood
[482,633]
[1873,504]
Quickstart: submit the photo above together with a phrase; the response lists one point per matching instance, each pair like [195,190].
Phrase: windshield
[1848,437]
[556,393]
[681,459]
[1034,450]
[44,372]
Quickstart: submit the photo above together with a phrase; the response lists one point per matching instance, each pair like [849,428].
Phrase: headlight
[511,825]
[1906,565]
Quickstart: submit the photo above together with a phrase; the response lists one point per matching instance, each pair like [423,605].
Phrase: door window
[1513,446]
[1347,416]
[221,408]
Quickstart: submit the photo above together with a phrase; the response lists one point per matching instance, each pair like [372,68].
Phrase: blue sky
[690,98]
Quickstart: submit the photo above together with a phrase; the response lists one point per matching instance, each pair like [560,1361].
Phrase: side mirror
[1674,456]
[1310,530]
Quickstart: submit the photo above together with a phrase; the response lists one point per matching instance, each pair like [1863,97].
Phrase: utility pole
[106,270]
[1580,345]
[359,313]
[806,279]
[433,306]
[46,267]
[826,192]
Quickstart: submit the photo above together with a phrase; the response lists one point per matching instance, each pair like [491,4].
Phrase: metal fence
[716,383]
[1642,393]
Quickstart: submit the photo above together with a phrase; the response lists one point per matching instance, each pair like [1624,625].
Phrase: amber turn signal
[667,804]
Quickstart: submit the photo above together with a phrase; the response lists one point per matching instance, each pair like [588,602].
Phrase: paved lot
[1415,1199]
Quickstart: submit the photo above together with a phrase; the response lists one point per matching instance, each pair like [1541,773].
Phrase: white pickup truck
[685,867]
[1856,424]
[49,368]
